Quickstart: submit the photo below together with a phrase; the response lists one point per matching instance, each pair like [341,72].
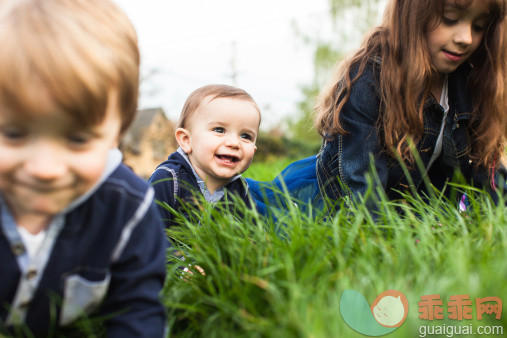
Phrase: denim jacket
[104,255]
[345,159]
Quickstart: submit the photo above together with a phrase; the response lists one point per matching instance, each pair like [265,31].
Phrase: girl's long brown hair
[405,74]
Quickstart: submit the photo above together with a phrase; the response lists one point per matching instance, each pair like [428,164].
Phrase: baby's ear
[184,139]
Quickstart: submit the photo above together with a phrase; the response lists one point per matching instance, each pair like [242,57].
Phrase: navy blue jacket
[175,183]
[345,159]
[105,255]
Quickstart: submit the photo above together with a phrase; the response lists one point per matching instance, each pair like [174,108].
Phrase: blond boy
[79,233]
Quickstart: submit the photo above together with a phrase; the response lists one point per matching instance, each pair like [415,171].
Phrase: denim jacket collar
[459,93]
[457,89]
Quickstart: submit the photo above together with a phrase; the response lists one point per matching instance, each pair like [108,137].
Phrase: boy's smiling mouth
[43,188]
[228,159]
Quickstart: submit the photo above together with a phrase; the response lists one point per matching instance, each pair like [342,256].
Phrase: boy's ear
[184,139]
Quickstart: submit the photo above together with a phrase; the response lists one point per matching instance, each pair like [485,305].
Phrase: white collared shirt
[444,102]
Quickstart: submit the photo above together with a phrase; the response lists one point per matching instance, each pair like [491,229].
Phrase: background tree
[331,40]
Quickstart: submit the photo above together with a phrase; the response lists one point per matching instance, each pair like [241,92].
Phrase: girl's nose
[46,162]
[464,34]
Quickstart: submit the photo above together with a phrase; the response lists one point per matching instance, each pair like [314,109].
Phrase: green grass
[266,171]
[285,280]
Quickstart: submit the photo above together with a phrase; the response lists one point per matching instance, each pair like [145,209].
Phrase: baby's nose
[232,141]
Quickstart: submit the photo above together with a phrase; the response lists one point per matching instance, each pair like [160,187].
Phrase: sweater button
[31,274]
[18,249]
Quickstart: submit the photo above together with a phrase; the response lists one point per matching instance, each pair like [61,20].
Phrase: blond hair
[74,52]
[404,79]
[215,91]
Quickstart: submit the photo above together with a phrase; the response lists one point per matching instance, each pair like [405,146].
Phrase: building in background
[148,142]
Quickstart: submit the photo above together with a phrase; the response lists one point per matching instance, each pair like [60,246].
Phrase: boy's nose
[45,163]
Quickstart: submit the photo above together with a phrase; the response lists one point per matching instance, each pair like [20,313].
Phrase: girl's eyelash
[481,27]
[451,22]
[13,133]
[448,21]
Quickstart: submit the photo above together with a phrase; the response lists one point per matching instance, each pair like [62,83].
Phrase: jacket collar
[458,90]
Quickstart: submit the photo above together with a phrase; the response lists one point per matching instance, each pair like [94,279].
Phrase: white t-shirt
[444,102]
[32,242]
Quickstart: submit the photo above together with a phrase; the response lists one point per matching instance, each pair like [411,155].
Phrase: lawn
[266,171]
[285,279]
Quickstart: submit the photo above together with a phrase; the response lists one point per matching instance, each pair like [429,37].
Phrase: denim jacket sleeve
[501,181]
[344,161]
[137,276]
[495,183]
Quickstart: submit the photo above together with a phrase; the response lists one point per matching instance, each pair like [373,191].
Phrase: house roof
[143,119]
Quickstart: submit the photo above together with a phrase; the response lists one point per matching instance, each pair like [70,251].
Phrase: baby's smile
[228,158]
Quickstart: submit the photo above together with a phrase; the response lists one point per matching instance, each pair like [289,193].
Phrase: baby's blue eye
[247,136]
[219,130]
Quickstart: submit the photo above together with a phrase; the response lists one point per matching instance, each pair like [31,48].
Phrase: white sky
[186,44]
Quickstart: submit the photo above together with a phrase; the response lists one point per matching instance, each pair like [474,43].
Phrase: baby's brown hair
[216,91]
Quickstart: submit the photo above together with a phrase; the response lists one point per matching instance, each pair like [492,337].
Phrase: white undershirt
[444,102]
[32,242]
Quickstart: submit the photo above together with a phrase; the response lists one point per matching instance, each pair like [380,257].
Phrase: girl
[432,75]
